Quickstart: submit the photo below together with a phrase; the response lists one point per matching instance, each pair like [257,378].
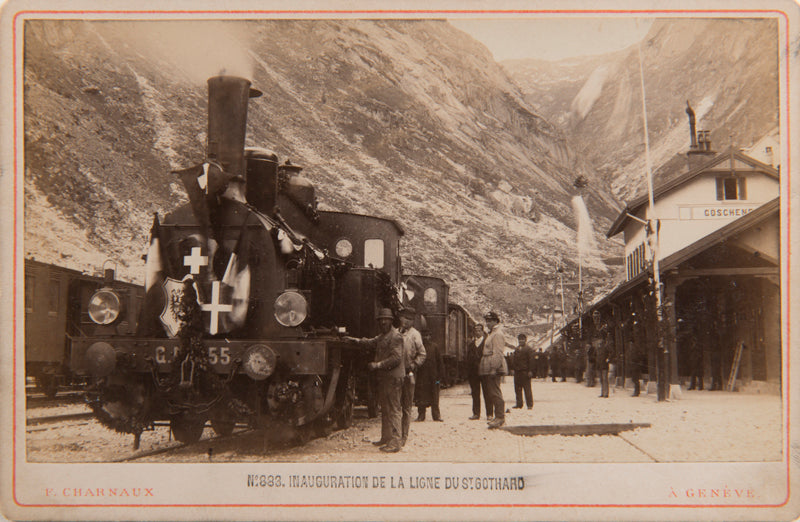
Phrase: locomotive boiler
[249,291]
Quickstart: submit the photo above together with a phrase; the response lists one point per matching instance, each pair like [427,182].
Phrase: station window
[636,261]
[731,188]
[642,258]
[373,253]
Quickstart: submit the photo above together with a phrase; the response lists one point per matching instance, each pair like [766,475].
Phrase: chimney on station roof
[700,147]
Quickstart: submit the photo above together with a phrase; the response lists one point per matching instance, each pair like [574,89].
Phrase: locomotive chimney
[227,122]
[692,127]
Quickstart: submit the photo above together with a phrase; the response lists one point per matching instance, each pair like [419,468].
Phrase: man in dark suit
[390,367]
[473,355]
[602,345]
[523,363]
[430,378]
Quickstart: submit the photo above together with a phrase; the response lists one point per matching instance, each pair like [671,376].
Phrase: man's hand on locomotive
[372,366]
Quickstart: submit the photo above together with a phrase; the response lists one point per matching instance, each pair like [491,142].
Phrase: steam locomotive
[249,290]
[56,303]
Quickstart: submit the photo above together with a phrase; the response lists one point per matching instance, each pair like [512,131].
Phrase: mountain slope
[410,120]
[726,68]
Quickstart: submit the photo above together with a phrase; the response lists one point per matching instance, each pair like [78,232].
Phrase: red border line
[787,279]
[415,12]
[655,13]
[509,505]
[14,295]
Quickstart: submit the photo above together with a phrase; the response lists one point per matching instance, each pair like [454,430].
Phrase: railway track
[175,446]
[40,400]
[54,419]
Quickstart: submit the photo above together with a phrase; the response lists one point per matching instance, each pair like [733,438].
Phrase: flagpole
[653,243]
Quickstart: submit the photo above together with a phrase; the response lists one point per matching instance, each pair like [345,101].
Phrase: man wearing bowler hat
[389,365]
[493,367]
[413,357]
[474,353]
[522,362]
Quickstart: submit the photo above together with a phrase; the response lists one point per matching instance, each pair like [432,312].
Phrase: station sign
[715,211]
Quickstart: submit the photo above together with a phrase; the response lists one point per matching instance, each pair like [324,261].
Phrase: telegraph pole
[652,241]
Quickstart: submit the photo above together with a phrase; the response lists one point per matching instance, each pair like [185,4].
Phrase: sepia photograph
[515,262]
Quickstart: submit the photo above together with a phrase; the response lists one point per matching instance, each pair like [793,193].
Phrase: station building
[715,229]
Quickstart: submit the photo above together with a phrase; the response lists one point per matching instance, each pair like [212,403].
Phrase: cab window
[430,297]
[373,253]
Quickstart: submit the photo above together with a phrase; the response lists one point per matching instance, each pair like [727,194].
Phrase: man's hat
[408,311]
[522,336]
[385,313]
[491,316]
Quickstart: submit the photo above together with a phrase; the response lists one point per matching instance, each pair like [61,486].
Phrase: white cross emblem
[215,307]
[195,261]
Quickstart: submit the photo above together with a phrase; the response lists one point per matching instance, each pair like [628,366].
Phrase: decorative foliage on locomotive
[249,289]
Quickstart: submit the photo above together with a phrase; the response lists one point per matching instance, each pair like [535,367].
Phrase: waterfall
[586,242]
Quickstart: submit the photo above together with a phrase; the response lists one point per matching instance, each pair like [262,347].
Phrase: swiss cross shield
[219,305]
[215,310]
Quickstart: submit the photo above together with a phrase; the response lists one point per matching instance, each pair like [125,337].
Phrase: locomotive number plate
[217,355]
[161,354]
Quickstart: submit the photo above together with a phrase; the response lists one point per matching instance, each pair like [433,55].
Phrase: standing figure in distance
[695,362]
[563,361]
[430,378]
[523,363]
[389,366]
[537,361]
[555,363]
[493,367]
[474,353]
[591,356]
[601,343]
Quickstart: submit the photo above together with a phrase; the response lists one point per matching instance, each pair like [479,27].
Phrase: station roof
[736,226]
[732,155]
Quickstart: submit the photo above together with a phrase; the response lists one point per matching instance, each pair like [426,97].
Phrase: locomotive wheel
[344,417]
[49,385]
[123,408]
[187,429]
[223,428]
[322,426]
[303,434]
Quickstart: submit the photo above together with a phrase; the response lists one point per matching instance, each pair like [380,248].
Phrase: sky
[554,38]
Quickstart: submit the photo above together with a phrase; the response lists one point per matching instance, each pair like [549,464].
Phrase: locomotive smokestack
[227,122]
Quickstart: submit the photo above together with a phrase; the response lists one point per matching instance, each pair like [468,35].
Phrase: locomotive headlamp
[291,308]
[259,361]
[104,306]
[344,248]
